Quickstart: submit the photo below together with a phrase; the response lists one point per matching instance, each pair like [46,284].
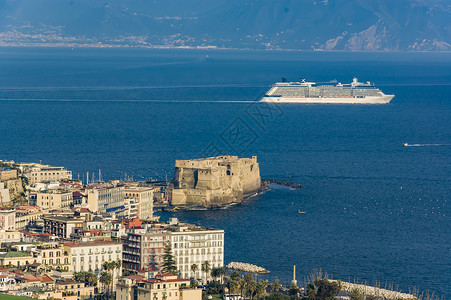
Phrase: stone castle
[214,181]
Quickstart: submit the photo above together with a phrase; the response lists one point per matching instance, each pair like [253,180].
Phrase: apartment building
[143,196]
[53,254]
[8,219]
[162,287]
[52,199]
[62,226]
[193,245]
[144,248]
[26,215]
[91,256]
[105,198]
[40,173]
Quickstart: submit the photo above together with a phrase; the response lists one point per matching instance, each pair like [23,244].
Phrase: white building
[143,196]
[91,256]
[4,194]
[10,236]
[144,248]
[105,198]
[39,173]
[8,219]
[195,247]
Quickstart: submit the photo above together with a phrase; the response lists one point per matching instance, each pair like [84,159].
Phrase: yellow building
[163,286]
[78,289]
[52,199]
[53,254]
[16,258]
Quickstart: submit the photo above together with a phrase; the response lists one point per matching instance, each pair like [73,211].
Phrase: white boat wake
[424,145]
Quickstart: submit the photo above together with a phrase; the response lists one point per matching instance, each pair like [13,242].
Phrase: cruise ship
[309,92]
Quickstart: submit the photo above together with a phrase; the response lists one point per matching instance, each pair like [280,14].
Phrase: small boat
[301,212]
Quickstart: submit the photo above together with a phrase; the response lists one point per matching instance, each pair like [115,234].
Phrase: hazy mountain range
[374,25]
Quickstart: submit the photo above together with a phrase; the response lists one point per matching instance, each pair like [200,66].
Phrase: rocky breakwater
[372,291]
[239,266]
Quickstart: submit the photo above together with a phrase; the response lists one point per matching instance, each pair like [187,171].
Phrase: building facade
[52,199]
[144,250]
[40,173]
[16,258]
[26,215]
[53,254]
[5,198]
[143,196]
[105,198]
[8,219]
[62,227]
[190,244]
[91,256]
[162,287]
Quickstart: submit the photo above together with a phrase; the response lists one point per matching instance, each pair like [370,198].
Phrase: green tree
[194,268]
[222,272]
[277,296]
[215,273]
[205,267]
[251,288]
[275,285]
[261,288]
[235,275]
[169,265]
[106,279]
[355,294]
[322,289]
[89,278]
[233,285]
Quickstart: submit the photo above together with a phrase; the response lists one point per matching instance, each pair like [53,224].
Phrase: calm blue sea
[375,210]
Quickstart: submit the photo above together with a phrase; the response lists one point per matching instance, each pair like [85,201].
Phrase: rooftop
[92,244]
[15,254]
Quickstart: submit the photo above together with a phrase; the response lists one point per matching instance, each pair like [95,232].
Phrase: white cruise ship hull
[384,99]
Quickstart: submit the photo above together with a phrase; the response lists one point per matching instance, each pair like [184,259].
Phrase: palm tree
[275,286]
[215,273]
[206,269]
[110,266]
[252,287]
[194,268]
[106,279]
[261,288]
[222,272]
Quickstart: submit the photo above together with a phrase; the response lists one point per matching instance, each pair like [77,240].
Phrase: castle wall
[214,181]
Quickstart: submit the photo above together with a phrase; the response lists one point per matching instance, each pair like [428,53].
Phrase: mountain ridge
[359,25]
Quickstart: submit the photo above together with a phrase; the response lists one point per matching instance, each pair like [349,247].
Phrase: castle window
[228,172]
